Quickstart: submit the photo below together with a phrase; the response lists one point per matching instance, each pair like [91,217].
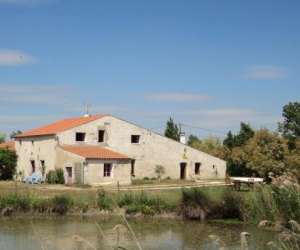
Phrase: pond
[68,233]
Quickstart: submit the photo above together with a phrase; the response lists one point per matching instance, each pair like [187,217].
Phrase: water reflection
[110,233]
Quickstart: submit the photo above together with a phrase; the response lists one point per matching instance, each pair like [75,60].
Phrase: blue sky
[209,64]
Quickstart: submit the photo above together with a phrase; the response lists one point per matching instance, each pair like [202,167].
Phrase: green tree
[229,140]
[172,130]
[265,152]
[246,132]
[210,145]
[293,159]
[8,162]
[194,141]
[290,127]
[233,148]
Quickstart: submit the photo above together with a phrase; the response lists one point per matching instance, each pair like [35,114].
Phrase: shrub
[61,204]
[8,162]
[55,176]
[16,202]
[60,176]
[195,197]
[103,201]
[51,177]
[195,204]
[288,201]
[231,206]
[42,205]
[143,203]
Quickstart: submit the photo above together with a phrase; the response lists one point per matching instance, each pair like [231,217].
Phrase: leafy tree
[233,148]
[293,159]
[246,132]
[210,145]
[172,130]
[290,127]
[160,171]
[8,162]
[15,133]
[194,141]
[263,153]
[229,140]
[2,137]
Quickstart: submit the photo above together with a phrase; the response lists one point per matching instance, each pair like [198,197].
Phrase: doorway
[69,178]
[32,162]
[182,170]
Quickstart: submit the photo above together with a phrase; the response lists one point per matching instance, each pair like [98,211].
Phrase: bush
[16,202]
[231,207]
[288,201]
[143,203]
[61,204]
[60,176]
[195,197]
[103,201]
[8,162]
[195,204]
[51,177]
[42,205]
[55,177]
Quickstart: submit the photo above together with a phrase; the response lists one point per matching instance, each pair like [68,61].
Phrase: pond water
[154,234]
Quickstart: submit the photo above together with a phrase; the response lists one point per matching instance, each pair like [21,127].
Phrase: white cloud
[266,72]
[177,97]
[33,94]
[15,57]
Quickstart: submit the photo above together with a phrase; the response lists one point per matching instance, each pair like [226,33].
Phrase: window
[101,135]
[132,168]
[32,162]
[42,163]
[32,143]
[107,170]
[135,139]
[80,136]
[197,167]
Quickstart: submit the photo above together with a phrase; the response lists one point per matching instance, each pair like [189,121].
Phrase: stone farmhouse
[103,149]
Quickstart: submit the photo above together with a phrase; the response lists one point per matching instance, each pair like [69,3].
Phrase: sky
[208,64]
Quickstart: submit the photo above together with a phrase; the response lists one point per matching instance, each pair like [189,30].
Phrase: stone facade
[147,150]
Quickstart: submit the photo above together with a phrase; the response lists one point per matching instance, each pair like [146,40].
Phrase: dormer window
[80,137]
[135,139]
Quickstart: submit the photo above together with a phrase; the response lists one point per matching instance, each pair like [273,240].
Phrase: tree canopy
[211,145]
[290,127]
[8,162]
[172,130]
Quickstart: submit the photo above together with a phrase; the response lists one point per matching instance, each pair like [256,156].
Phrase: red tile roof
[94,152]
[8,145]
[60,126]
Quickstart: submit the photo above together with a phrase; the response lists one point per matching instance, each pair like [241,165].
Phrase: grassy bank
[264,203]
